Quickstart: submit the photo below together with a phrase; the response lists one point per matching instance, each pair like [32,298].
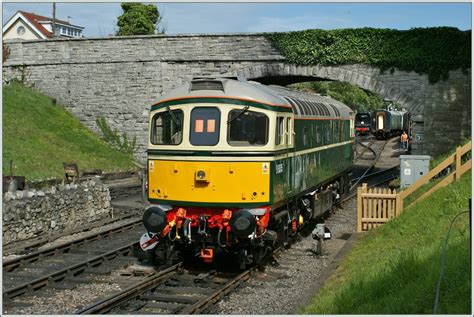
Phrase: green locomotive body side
[320,154]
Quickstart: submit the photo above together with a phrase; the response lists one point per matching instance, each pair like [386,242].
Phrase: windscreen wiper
[173,117]
[242,111]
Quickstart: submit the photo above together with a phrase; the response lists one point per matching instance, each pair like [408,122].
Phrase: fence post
[398,204]
[359,209]
[457,172]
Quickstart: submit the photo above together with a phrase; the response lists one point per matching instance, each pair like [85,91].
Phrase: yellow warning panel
[209,182]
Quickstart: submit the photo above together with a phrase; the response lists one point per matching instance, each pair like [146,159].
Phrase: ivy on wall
[433,51]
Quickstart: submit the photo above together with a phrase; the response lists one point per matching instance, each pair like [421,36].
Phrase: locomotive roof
[303,104]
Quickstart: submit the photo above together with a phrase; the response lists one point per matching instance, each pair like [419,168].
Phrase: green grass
[39,136]
[394,269]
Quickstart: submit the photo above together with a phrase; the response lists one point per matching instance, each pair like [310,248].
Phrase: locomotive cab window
[167,128]
[247,128]
[205,123]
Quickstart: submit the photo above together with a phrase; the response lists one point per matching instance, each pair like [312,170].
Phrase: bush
[433,51]
[113,138]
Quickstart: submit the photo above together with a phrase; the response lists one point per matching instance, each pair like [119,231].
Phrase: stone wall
[37,213]
[119,78]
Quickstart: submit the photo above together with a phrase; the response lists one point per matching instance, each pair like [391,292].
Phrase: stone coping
[140,37]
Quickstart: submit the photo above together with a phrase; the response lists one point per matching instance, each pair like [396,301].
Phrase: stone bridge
[120,77]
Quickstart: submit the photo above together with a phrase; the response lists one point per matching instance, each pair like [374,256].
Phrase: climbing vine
[433,51]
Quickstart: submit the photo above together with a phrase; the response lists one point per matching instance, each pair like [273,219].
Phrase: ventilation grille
[206,85]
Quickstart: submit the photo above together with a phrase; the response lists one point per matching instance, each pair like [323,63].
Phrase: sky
[100,19]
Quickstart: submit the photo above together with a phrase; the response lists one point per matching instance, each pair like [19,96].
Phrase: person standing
[404,140]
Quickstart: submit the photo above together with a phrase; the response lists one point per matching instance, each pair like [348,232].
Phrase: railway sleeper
[83,252]
[177,290]
[172,298]
[103,270]
[170,307]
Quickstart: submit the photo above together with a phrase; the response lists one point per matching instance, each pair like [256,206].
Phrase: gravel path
[282,289]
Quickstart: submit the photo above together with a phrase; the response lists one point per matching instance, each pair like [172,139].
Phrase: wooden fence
[376,206]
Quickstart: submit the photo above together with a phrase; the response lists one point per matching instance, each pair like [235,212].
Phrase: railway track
[362,170]
[69,263]
[129,289]
[170,291]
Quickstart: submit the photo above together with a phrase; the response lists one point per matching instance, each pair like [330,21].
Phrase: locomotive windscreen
[362,117]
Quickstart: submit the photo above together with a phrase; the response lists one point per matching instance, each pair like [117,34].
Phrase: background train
[363,123]
[388,123]
[236,167]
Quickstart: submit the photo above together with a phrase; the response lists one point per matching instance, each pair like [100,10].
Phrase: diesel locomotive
[236,167]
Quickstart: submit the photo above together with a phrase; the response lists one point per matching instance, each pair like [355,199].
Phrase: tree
[353,96]
[138,19]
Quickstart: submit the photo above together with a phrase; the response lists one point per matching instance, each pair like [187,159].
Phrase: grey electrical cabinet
[412,167]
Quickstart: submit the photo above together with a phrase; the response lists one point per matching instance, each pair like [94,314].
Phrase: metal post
[54,19]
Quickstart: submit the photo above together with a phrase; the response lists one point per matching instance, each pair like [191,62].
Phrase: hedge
[433,51]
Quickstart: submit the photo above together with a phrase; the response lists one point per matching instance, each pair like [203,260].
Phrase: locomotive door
[380,123]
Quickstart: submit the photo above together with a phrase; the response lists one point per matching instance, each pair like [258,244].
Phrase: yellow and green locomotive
[236,167]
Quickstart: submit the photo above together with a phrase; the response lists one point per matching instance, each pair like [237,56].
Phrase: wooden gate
[375,206]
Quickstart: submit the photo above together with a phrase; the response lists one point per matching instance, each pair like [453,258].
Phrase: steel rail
[366,147]
[349,197]
[15,263]
[60,275]
[130,292]
[376,173]
[370,167]
[28,245]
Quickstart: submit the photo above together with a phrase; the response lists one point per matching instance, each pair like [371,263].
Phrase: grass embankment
[39,136]
[395,268]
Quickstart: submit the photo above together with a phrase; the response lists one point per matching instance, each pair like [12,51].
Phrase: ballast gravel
[64,302]
[287,288]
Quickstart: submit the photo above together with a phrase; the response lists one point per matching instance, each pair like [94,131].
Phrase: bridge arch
[363,76]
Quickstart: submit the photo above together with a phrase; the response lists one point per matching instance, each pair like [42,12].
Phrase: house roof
[34,19]
[37,20]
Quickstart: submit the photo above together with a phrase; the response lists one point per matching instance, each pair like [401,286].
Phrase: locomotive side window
[289,132]
[167,128]
[205,123]
[279,131]
[328,132]
[247,128]
[318,134]
[341,131]
[305,136]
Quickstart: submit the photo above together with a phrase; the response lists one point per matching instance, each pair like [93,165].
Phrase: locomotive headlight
[202,176]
